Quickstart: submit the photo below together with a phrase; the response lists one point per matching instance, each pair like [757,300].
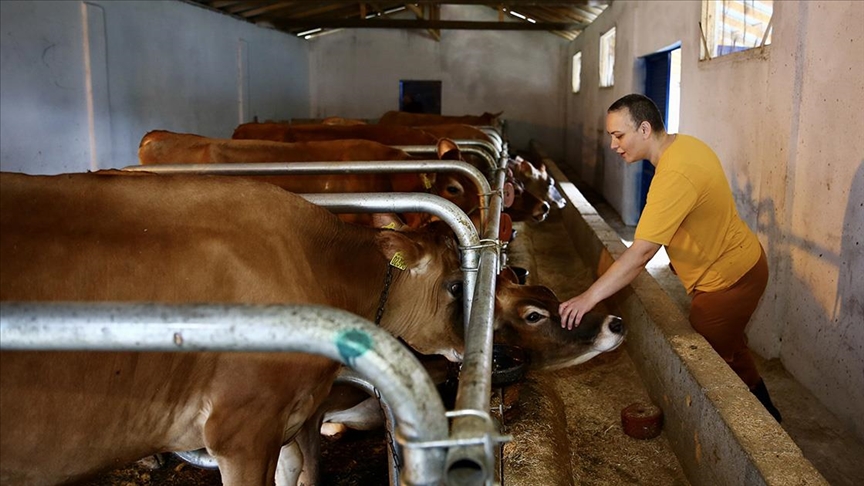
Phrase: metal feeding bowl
[508,364]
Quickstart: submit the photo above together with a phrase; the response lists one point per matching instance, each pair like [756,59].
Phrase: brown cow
[163,147]
[526,207]
[180,239]
[423,119]
[283,132]
[525,315]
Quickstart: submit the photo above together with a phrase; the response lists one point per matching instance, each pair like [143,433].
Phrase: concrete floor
[835,452]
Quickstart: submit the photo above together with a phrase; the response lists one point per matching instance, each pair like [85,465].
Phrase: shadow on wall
[599,174]
[823,347]
[850,297]
[521,133]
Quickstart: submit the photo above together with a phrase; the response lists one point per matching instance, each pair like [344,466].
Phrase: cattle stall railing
[471,456]
[480,148]
[337,334]
[337,167]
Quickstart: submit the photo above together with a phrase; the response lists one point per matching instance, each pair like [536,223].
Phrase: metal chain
[388,426]
[388,279]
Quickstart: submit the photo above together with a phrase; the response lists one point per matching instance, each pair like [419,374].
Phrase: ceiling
[312,18]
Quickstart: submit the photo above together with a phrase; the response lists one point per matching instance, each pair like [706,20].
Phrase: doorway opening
[663,86]
[420,96]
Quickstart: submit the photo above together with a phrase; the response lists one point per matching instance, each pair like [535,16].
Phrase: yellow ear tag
[426,182]
[398,262]
[390,226]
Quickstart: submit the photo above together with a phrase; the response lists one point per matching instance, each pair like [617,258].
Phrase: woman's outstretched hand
[574,309]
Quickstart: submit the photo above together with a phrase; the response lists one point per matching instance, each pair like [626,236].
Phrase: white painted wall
[356,73]
[82,82]
[786,122]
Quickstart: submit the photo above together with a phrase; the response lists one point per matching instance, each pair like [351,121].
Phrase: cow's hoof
[642,420]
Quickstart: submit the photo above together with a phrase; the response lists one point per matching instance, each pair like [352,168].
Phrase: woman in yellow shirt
[690,211]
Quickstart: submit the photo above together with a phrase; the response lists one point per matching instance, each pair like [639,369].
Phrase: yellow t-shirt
[690,210]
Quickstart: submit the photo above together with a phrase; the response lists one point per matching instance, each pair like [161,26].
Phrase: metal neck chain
[388,279]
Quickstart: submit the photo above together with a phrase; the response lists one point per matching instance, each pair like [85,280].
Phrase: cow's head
[424,306]
[537,181]
[526,206]
[527,316]
[455,187]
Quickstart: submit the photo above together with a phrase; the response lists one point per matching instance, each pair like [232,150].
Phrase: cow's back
[238,227]
[283,132]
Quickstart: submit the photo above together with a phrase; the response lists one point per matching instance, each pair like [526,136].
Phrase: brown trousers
[722,316]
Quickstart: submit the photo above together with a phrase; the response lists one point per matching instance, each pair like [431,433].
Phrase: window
[420,96]
[734,25]
[607,58]
[577,72]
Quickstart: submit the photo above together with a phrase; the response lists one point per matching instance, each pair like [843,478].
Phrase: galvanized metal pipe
[480,147]
[399,202]
[336,167]
[474,464]
[319,168]
[334,333]
[394,455]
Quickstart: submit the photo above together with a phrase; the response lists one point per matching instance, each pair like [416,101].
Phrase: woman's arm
[621,273]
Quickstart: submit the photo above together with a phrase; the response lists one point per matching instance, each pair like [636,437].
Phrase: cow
[525,315]
[283,132]
[183,239]
[526,206]
[423,119]
[537,180]
[164,147]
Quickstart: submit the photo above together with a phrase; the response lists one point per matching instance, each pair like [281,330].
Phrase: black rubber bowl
[521,274]
[508,364]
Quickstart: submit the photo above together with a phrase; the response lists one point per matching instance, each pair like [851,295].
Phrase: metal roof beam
[422,24]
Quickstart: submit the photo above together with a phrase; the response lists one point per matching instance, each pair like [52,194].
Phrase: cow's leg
[309,441]
[290,464]
[247,452]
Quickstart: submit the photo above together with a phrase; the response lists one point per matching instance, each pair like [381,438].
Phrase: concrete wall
[82,82]
[518,73]
[784,120]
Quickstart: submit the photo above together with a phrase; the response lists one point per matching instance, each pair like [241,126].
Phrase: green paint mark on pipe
[352,344]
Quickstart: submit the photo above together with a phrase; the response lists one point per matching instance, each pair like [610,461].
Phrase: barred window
[734,25]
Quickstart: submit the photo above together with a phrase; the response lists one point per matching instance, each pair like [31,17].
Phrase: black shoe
[761,393]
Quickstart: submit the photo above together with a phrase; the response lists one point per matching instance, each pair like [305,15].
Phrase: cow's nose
[616,325]
[542,211]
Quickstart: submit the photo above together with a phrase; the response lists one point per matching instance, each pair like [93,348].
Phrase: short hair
[641,108]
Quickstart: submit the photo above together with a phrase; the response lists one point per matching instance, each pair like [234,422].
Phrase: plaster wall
[516,72]
[82,82]
[775,117]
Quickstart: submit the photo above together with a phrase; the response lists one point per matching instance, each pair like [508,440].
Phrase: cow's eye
[455,289]
[534,317]
[453,190]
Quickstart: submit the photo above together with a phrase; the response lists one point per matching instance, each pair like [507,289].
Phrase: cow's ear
[526,168]
[509,275]
[387,221]
[448,150]
[399,249]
